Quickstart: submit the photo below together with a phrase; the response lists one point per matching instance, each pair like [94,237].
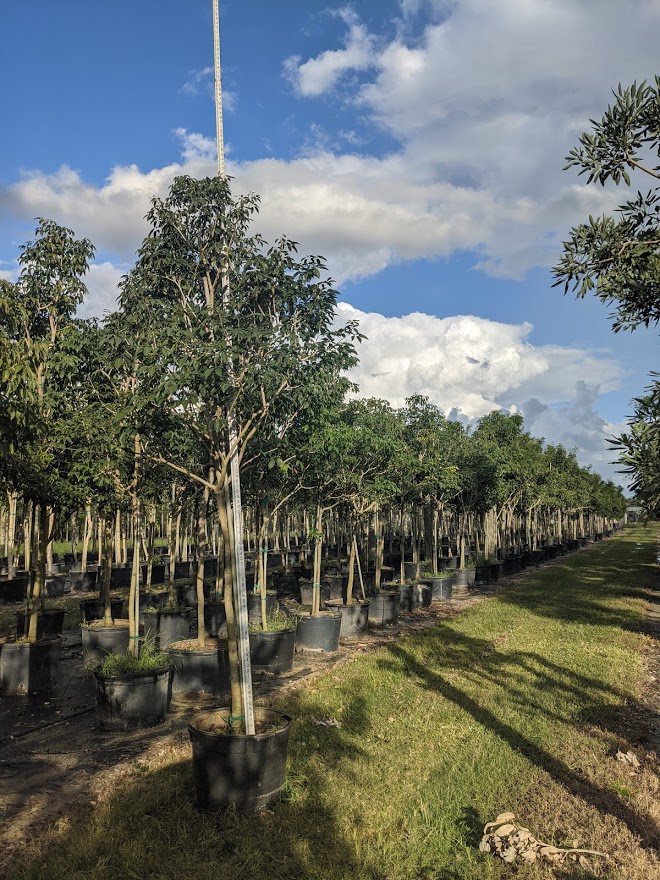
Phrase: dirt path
[53,760]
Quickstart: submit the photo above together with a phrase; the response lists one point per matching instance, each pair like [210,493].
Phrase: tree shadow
[478,661]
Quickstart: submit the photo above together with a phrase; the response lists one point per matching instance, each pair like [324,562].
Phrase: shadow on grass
[583,588]
[478,662]
[151,826]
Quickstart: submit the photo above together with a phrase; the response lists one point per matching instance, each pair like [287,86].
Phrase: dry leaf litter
[510,841]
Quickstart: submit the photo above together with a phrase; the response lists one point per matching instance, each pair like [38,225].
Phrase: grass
[520,703]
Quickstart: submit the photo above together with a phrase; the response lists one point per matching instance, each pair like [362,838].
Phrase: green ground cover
[520,703]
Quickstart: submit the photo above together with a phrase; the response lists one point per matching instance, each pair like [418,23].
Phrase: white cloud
[196,78]
[315,76]
[469,366]
[102,282]
[484,102]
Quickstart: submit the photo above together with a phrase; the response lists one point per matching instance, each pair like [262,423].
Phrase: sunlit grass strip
[513,705]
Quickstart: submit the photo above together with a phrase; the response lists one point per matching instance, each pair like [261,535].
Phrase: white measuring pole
[240,590]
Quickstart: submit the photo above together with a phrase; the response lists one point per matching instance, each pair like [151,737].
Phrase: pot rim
[130,676]
[194,729]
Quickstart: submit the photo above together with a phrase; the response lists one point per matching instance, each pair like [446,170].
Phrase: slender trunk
[38,575]
[351,574]
[223,502]
[316,577]
[87,531]
[106,567]
[199,574]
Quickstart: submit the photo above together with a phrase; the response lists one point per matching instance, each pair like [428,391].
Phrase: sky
[417,144]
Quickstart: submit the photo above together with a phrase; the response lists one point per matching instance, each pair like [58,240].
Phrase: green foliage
[639,447]
[276,622]
[148,659]
[619,259]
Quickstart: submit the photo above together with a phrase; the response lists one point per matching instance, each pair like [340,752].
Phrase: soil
[54,761]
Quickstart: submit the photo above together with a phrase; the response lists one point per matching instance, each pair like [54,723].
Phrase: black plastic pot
[167,626]
[92,609]
[182,570]
[243,772]
[422,595]
[462,579]
[306,593]
[272,650]
[482,574]
[99,641]
[441,589]
[157,573]
[120,577]
[214,617]
[83,582]
[354,618]
[132,700]
[49,623]
[319,633]
[335,583]
[14,589]
[405,597]
[200,670]
[54,585]
[384,608]
[254,605]
[29,667]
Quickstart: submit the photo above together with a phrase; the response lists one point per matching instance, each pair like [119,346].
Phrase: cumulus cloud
[469,366]
[482,101]
[102,282]
[315,76]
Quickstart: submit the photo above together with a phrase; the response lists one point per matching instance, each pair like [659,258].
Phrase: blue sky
[417,144]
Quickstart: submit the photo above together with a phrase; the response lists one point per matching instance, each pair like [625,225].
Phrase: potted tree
[38,342]
[249,329]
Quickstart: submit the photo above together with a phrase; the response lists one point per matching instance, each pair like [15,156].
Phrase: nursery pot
[319,633]
[99,640]
[214,617]
[384,608]
[29,667]
[306,594]
[83,581]
[462,579]
[244,772]
[421,595]
[272,650]
[167,626]
[132,699]
[254,605]
[92,609]
[440,589]
[54,585]
[405,597]
[354,618]
[200,670]
[49,623]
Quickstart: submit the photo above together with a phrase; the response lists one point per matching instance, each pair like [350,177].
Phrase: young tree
[38,351]
[226,335]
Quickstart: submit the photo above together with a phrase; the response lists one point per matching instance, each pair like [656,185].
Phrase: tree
[225,337]
[619,259]
[38,357]
[639,447]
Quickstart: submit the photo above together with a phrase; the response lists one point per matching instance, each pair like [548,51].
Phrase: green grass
[518,704]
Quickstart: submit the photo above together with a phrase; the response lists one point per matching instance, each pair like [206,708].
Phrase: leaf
[505,830]
[583,861]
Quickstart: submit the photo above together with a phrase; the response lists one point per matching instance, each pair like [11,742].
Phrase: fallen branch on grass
[509,841]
